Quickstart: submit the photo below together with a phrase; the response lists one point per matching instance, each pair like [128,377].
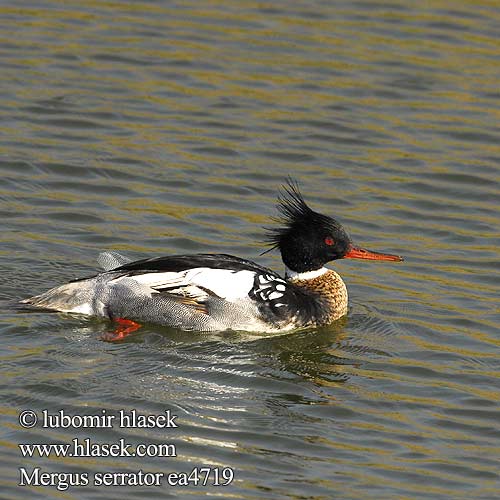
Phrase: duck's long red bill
[361,253]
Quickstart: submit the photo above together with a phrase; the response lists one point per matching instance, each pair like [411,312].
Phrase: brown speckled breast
[332,291]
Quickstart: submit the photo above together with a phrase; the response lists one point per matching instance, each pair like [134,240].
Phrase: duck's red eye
[329,241]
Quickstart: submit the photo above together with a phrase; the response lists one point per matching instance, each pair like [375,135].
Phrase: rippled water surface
[167,127]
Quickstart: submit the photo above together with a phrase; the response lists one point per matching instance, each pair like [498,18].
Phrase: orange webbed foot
[123,329]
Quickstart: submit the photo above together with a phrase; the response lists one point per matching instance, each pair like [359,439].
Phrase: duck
[208,292]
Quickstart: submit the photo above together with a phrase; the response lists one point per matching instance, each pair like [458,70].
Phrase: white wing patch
[227,284]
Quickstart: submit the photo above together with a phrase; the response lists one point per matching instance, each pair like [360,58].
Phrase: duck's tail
[75,297]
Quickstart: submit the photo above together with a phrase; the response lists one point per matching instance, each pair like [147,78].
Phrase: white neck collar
[308,275]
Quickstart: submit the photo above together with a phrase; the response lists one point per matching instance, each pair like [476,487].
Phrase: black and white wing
[195,276]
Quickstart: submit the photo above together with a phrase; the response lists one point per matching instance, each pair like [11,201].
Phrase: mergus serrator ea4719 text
[214,292]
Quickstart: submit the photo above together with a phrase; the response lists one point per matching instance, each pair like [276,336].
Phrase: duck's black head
[307,239]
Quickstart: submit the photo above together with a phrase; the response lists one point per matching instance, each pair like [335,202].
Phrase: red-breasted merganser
[214,292]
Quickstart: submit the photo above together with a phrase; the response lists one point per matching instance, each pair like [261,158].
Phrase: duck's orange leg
[124,328]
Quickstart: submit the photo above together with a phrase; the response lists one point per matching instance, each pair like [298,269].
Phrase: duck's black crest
[297,217]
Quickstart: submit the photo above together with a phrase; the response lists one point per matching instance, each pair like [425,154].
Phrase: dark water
[160,127]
